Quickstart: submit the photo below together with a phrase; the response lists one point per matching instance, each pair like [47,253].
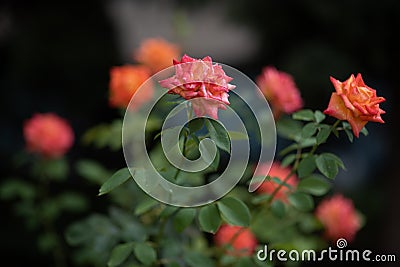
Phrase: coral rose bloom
[156,54]
[268,187]
[48,135]
[339,218]
[355,102]
[200,78]
[124,82]
[280,89]
[239,241]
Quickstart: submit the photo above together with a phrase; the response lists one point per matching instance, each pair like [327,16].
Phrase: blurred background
[56,56]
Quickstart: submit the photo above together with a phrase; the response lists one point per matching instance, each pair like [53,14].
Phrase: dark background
[56,56]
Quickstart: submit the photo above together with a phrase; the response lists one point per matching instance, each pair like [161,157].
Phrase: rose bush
[295,207]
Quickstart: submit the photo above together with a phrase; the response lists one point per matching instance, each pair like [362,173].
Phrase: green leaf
[323,134]
[14,188]
[209,218]
[47,242]
[308,142]
[309,130]
[288,128]
[234,211]
[260,199]
[328,164]
[219,135]
[306,166]
[349,135]
[288,149]
[195,259]
[145,205]
[114,181]
[195,124]
[55,169]
[92,171]
[243,262]
[349,132]
[173,264]
[301,201]
[315,185]
[145,253]
[319,116]
[338,161]
[303,115]
[119,254]
[184,218]
[105,135]
[72,201]
[286,161]
[364,131]
[168,211]
[278,208]
[234,135]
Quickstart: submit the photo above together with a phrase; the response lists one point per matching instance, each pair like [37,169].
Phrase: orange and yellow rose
[355,102]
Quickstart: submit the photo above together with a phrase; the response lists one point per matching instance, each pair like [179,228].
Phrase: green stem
[50,229]
[314,148]
[293,171]
[296,164]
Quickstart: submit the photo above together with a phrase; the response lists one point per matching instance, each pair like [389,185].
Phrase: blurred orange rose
[156,53]
[242,240]
[280,90]
[355,102]
[339,217]
[268,187]
[124,82]
[48,135]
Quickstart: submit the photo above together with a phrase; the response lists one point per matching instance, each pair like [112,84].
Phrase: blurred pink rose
[242,240]
[268,187]
[339,218]
[200,78]
[280,90]
[48,135]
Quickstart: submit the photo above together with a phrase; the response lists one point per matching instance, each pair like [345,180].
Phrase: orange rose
[268,187]
[124,82]
[339,218]
[48,135]
[156,53]
[355,102]
[242,240]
